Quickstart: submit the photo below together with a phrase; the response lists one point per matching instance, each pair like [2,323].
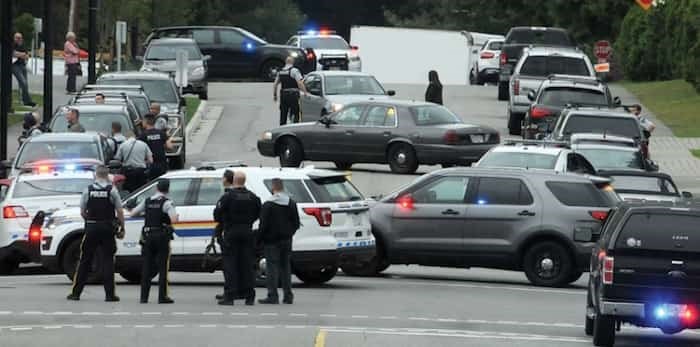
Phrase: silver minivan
[161,56]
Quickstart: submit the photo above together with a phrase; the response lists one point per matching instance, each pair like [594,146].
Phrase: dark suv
[236,52]
[645,271]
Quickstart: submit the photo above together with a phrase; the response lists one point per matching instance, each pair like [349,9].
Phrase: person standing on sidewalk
[71,55]
[279,221]
[647,125]
[20,56]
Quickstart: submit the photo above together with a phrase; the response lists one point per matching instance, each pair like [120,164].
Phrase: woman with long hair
[434,92]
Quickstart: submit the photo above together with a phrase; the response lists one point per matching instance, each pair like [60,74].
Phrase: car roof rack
[215,165]
[543,143]
[112,86]
[575,79]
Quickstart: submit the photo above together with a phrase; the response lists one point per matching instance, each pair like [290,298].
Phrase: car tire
[515,123]
[588,326]
[575,276]
[503,93]
[603,330]
[291,153]
[70,259]
[8,266]
[341,165]
[402,158]
[268,68]
[316,276]
[548,264]
[373,268]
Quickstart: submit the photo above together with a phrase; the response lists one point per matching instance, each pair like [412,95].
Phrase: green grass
[20,110]
[192,105]
[675,103]
[695,152]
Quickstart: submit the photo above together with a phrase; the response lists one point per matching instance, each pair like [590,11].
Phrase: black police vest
[155,217]
[100,207]
[286,79]
[155,139]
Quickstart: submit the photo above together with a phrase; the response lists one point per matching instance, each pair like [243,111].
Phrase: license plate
[356,219]
[334,68]
[477,138]
[341,235]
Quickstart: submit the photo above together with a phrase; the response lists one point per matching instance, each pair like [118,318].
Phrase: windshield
[359,85]
[97,122]
[626,127]
[333,189]
[324,43]
[656,185]
[36,151]
[433,115]
[543,37]
[542,66]
[560,97]
[609,158]
[50,187]
[524,160]
[157,90]
[169,51]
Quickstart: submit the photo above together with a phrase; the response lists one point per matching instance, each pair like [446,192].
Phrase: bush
[24,23]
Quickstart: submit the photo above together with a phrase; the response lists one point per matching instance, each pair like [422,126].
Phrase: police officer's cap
[163,185]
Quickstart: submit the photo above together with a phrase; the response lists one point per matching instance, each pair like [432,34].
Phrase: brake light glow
[35,233]
[43,169]
[11,212]
[688,315]
[405,202]
[539,112]
[451,137]
[487,55]
[608,268]
[599,215]
[323,215]
[504,58]
[516,87]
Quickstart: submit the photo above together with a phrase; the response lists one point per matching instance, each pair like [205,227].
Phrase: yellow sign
[645,4]
[604,67]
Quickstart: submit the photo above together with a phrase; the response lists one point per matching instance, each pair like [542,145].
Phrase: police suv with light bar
[331,51]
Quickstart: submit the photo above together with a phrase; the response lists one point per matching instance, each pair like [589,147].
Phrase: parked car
[644,271]
[558,91]
[110,99]
[520,37]
[135,93]
[329,91]
[536,155]
[332,52]
[609,152]
[403,134]
[161,56]
[236,52]
[534,67]
[97,118]
[514,219]
[635,186]
[487,66]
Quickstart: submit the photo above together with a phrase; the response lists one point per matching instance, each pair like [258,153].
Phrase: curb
[196,119]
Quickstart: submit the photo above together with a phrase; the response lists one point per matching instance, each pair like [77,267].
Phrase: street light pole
[48,60]
[92,40]
[5,73]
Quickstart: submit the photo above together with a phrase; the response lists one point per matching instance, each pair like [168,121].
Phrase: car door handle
[349,132]
[450,212]
[386,133]
[526,213]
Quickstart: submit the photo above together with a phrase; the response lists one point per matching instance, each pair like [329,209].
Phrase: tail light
[599,215]
[11,212]
[539,112]
[451,137]
[504,58]
[608,267]
[516,87]
[323,215]
[487,55]
[405,202]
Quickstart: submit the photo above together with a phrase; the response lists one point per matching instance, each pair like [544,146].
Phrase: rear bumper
[489,74]
[626,309]
[315,259]
[357,255]
[453,155]
[21,251]
[266,148]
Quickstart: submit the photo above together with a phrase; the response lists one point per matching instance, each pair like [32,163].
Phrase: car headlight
[294,54]
[267,136]
[336,107]
[198,71]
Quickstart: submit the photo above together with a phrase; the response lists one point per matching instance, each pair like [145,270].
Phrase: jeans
[72,71]
[20,73]
[279,257]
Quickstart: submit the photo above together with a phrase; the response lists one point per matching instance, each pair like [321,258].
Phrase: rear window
[660,232]
[547,65]
[610,158]
[333,189]
[580,194]
[325,43]
[563,96]
[547,37]
[35,188]
[495,46]
[295,189]
[97,122]
[433,115]
[626,127]
[644,184]
[524,160]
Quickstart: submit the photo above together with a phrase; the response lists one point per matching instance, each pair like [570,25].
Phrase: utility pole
[5,73]
[48,60]
[92,41]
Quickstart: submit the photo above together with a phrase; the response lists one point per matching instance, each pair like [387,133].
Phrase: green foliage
[24,23]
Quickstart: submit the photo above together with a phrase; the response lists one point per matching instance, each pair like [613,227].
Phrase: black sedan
[403,134]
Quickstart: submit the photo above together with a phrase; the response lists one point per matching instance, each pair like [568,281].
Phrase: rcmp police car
[332,51]
[46,185]
[335,229]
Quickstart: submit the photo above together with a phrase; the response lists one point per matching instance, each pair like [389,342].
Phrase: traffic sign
[645,4]
[601,68]
[602,50]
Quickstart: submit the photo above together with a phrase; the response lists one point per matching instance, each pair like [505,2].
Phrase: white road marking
[20,328]
[328,315]
[113,326]
[151,313]
[359,317]
[298,315]
[447,320]
[173,325]
[237,326]
[61,313]
[295,326]
[91,313]
[459,334]
[180,313]
[148,326]
[82,326]
[388,317]
[212,313]
[239,313]
[5,312]
[52,327]
[207,325]
[264,327]
[121,313]
[32,313]
[419,318]
[269,314]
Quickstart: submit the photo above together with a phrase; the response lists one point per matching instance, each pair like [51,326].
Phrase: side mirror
[315,91]
[687,195]
[531,95]
[583,234]
[391,92]
[114,165]
[325,120]
[652,165]
[616,101]
[206,57]
[130,204]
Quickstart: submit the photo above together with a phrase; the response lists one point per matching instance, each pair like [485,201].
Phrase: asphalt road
[408,306]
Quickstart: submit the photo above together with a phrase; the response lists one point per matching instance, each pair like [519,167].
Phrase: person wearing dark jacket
[434,92]
[279,220]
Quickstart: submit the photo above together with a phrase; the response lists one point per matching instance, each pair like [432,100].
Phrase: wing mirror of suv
[391,92]
[206,57]
[584,234]
[617,101]
[687,195]
[531,95]
[130,204]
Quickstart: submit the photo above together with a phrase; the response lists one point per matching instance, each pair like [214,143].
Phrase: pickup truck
[520,37]
[644,271]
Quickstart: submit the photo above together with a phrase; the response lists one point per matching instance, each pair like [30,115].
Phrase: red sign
[645,4]
[602,50]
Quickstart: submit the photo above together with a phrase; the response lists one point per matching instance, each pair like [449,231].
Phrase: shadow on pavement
[515,282]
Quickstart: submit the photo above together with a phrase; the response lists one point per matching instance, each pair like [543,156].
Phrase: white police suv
[46,185]
[331,51]
[335,229]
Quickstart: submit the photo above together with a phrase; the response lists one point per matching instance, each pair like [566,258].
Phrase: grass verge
[695,153]
[192,105]
[674,102]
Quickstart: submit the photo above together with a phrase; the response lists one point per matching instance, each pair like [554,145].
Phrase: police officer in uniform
[218,234]
[157,141]
[101,207]
[237,210]
[290,78]
[155,240]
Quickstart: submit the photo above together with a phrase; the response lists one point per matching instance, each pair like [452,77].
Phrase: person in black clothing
[290,78]
[157,141]
[237,209]
[434,92]
[155,240]
[19,69]
[279,220]
[218,232]
[101,207]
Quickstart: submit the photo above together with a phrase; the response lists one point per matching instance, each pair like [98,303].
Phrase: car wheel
[503,91]
[290,152]
[575,275]
[375,266]
[317,276]
[515,123]
[603,330]
[341,165]
[548,264]
[588,327]
[269,69]
[402,159]
[70,259]
[8,266]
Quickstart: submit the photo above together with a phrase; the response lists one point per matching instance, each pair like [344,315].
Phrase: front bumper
[266,148]
[452,155]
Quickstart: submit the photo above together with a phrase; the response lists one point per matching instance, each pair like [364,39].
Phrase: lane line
[212,313]
[298,315]
[146,326]
[151,313]
[173,326]
[21,328]
[180,313]
[239,313]
[237,326]
[121,313]
[328,315]
[320,340]
[269,314]
[113,326]
[5,312]
[207,325]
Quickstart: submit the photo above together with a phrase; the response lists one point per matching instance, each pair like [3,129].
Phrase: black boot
[73,297]
[269,301]
[166,300]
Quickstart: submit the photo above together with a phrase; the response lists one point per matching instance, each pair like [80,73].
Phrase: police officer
[99,204]
[290,79]
[218,235]
[157,141]
[237,210]
[161,118]
[155,240]
[135,156]
[116,137]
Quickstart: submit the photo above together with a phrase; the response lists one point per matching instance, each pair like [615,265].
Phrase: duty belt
[106,221]
[290,90]
[150,230]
